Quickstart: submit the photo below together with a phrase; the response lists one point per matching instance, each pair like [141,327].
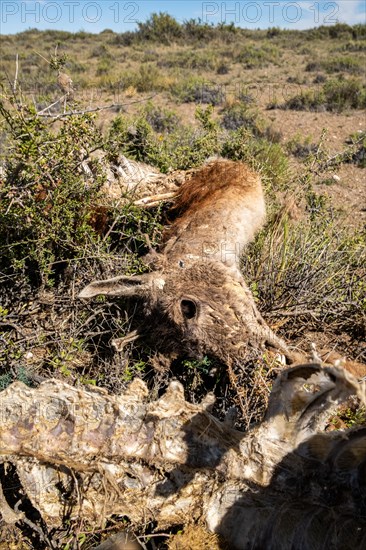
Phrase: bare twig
[16,73]
[92,110]
[40,113]
[335,159]
[120,343]
[297,312]
[40,55]
[33,526]
[13,326]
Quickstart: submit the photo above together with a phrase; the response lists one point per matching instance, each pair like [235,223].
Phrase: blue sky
[123,15]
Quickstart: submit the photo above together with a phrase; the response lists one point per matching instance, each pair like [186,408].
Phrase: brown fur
[227,322]
[354,367]
[196,299]
[219,208]
[215,180]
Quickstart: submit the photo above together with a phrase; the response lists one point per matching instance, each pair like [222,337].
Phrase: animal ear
[123,285]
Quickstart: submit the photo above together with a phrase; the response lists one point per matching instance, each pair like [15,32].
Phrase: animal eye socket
[188,308]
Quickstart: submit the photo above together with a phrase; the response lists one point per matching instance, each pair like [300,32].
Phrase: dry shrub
[310,275]
[130,91]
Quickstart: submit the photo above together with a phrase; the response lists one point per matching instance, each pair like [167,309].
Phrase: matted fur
[196,299]
[220,208]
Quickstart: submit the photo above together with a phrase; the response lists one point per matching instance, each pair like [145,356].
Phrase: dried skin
[196,299]
[169,460]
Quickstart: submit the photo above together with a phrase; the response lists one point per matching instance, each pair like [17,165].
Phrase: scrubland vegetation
[180,93]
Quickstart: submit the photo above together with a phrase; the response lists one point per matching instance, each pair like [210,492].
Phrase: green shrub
[123,39]
[357,154]
[101,51]
[202,32]
[267,158]
[335,95]
[320,79]
[312,274]
[239,116]
[160,27]
[181,149]
[198,90]
[353,46]
[255,57]
[353,416]
[183,146]
[343,94]
[350,65]
[148,78]
[359,31]
[83,36]
[50,237]
[337,31]
[273,31]
[55,36]
[161,120]
[191,59]
[75,67]
[5,380]
[103,67]
[148,56]
[301,147]
[223,68]
[45,204]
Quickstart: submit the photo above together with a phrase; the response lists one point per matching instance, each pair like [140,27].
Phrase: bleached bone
[83,452]
[127,180]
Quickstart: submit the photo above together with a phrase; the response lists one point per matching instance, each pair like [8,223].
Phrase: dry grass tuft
[195,537]
[130,91]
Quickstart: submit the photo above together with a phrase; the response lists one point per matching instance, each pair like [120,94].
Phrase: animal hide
[69,451]
[195,298]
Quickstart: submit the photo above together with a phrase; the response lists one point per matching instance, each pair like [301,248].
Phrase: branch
[91,110]
[16,73]
[40,113]
[40,55]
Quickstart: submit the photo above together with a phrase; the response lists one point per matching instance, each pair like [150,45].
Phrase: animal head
[204,308]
